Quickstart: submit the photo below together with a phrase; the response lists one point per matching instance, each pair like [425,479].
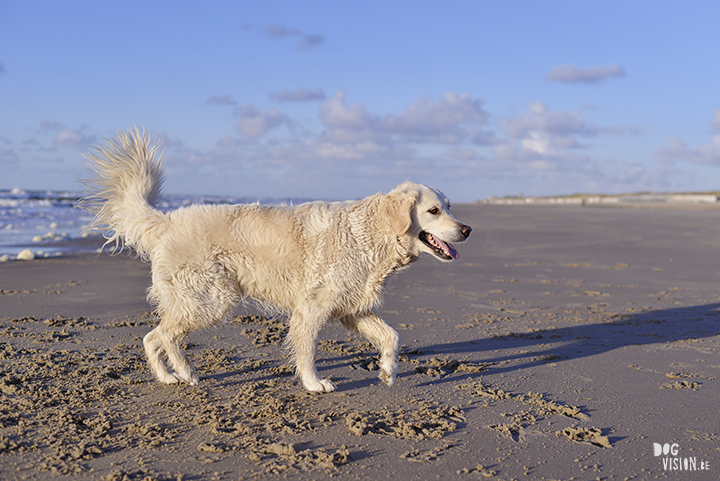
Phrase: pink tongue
[447,248]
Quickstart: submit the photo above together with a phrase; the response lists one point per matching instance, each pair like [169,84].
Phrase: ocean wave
[44,219]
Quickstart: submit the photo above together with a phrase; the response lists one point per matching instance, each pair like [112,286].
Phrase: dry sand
[563,344]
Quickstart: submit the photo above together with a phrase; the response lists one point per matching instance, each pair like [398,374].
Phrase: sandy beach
[564,343]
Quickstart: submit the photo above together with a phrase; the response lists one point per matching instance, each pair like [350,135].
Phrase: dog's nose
[466,230]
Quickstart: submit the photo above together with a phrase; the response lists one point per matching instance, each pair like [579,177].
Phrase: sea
[48,223]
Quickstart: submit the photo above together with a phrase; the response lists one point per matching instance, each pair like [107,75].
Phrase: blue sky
[336,100]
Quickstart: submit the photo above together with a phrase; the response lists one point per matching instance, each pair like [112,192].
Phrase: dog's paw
[168,378]
[191,379]
[175,378]
[321,385]
[387,378]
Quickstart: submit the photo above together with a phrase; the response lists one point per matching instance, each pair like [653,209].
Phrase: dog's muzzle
[442,249]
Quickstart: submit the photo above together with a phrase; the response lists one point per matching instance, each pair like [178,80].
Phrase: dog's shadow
[520,351]
[556,345]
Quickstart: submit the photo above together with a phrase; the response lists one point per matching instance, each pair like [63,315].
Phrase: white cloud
[68,137]
[349,123]
[451,120]
[225,99]
[8,156]
[310,41]
[540,118]
[426,141]
[306,41]
[301,94]
[678,149]
[445,121]
[48,125]
[445,141]
[715,122]
[573,74]
[546,149]
[543,139]
[255,123]
[336,114]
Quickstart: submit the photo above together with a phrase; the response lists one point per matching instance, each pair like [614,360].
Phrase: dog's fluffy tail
[126,181]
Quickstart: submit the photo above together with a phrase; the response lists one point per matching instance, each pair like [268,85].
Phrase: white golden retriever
[314,261]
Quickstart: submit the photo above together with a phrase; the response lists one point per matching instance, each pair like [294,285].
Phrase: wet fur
[315,261]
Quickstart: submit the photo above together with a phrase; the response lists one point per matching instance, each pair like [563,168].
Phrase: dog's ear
[398,208]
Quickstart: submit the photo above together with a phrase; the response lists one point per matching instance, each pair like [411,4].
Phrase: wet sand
[563,344]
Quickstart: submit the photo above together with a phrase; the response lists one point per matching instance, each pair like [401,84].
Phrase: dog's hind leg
[181,365]
[154,350]
[383,337]
[301,342]
[203,299]
[166,338]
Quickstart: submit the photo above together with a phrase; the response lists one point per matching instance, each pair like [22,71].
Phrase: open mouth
[443,250]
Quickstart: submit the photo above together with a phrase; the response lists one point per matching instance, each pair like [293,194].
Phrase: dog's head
[423,215]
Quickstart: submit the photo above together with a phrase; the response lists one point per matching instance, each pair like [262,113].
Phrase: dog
[314,261]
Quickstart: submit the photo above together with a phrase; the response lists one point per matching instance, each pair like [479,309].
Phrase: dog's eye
[434,211]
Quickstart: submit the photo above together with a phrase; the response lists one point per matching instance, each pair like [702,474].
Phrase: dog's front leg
[384,338]
[301,342]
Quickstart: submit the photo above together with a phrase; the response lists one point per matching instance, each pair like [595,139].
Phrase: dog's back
[258,247]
